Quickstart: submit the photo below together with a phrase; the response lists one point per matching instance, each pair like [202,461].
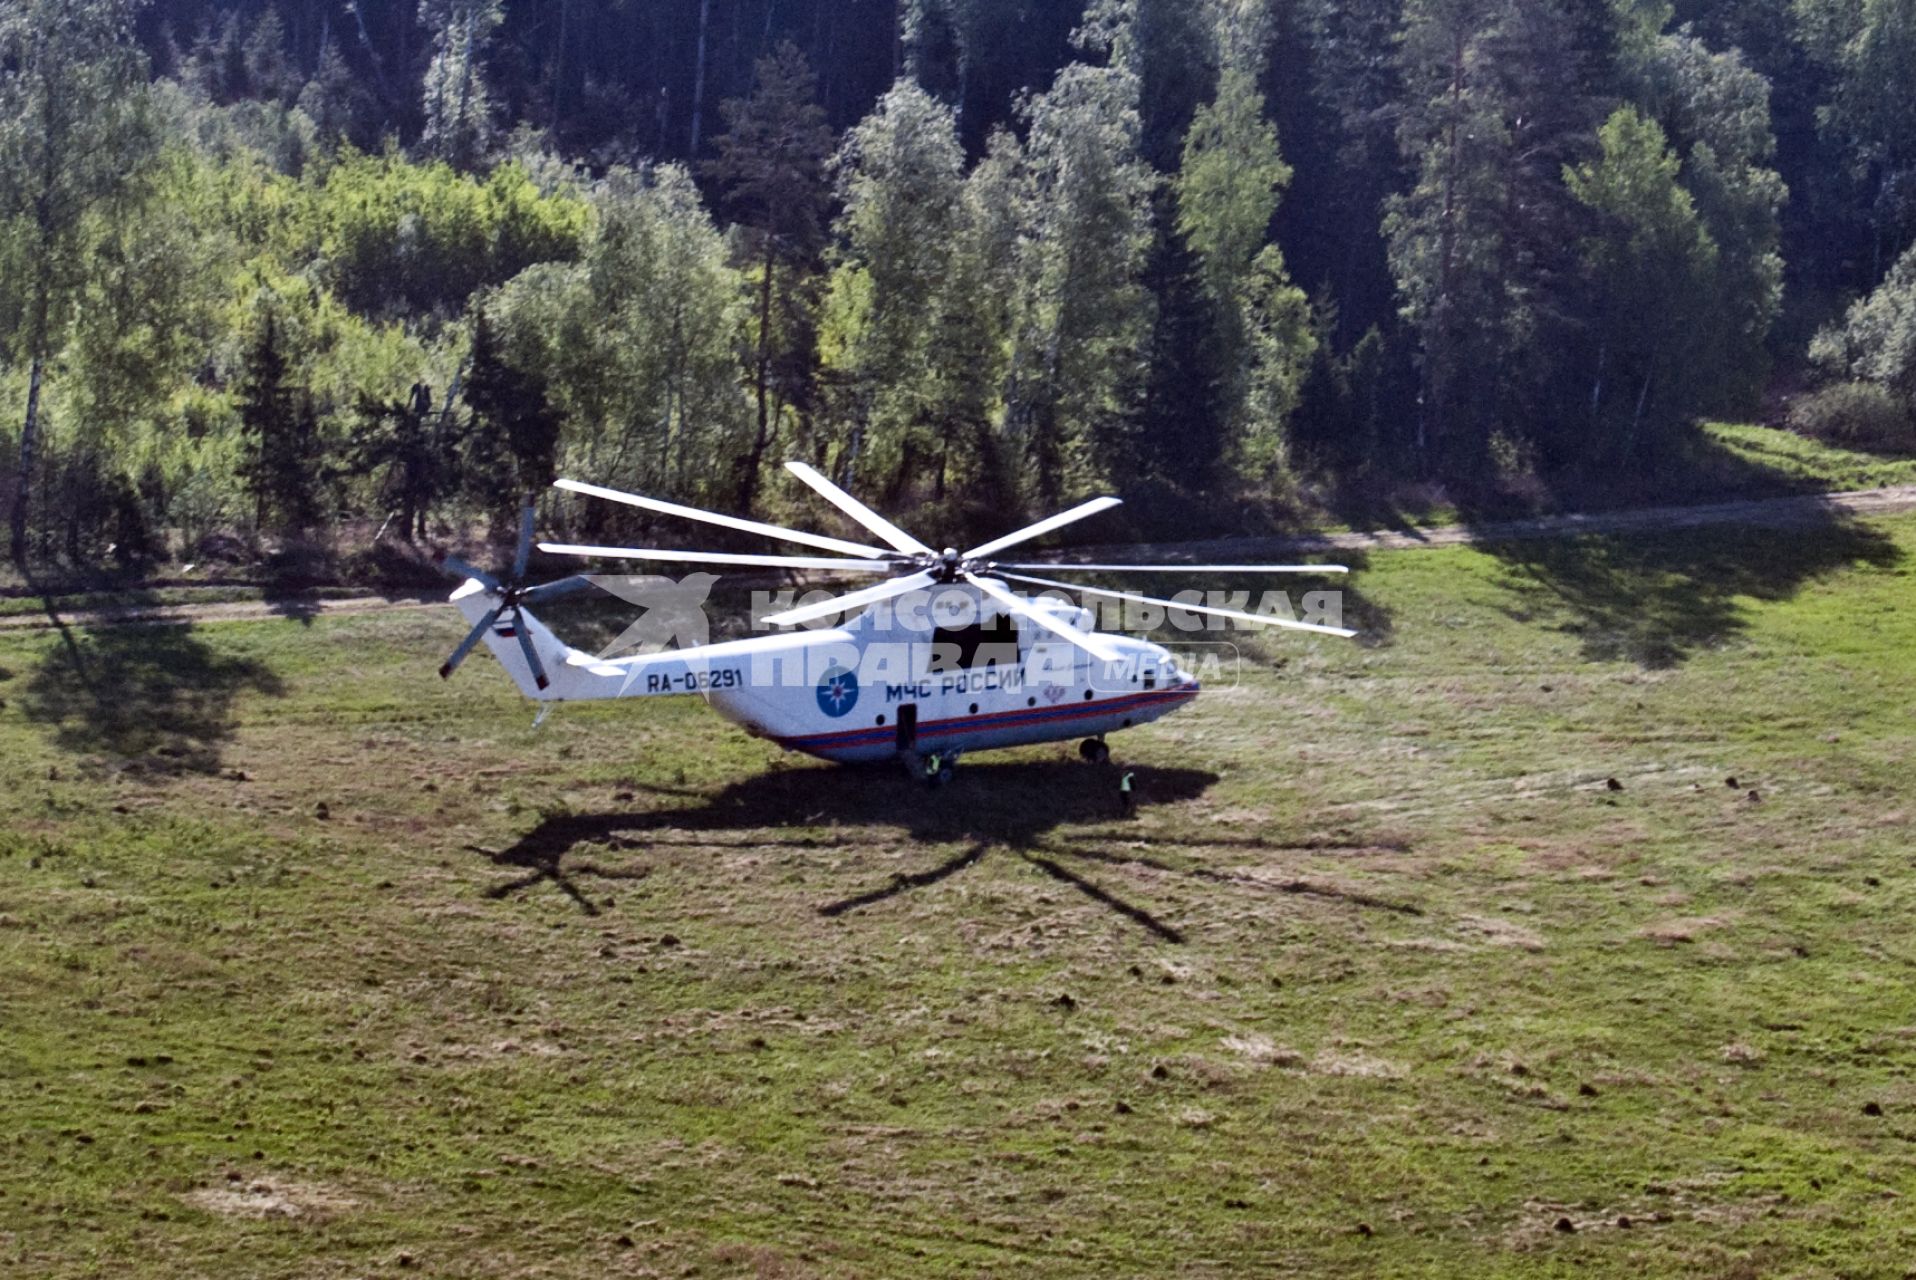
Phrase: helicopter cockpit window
[991,643]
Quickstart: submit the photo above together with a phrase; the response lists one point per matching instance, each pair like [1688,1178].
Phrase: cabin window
[991,643]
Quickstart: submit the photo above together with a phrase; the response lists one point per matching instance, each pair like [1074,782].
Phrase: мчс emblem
[838,692]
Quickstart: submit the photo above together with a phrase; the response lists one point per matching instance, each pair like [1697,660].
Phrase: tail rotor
[510,598]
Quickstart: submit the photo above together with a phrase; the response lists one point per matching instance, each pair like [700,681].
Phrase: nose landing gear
[1094,751]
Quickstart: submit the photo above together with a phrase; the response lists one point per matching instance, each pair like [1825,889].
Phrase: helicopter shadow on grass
[152,696]
[1011,807]
[1656,598]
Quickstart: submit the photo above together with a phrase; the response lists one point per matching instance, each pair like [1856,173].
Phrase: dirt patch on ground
[1332,1062]
[1501,933]
[272,1198]
[1671,933]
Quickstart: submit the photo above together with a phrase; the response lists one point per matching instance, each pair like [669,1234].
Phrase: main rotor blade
[525,647]
[856,600]
[1043,527]
[717,557]
[1183,568]
[818,540]
[460,569]
[1095,645]
[523,555]
[858,511]
[1207,610]
[467,645]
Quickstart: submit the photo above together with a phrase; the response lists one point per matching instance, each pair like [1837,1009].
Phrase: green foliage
[1716,111]
[1282,343]
[1877,341]
[1860,414]
[902,184]
[1870,117]
[934,47]
[151,306]
[638,340]
[401,237]
[1657,265]
[1230,181]
[334,100]
[772,157]
[1003,320]
[1083,314]
[1461,285]
[407,444]
[1501,96]
[1170,48]
[75,142]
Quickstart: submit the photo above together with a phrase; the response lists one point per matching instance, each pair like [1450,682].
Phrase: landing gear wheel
[1094,750]
[934,770]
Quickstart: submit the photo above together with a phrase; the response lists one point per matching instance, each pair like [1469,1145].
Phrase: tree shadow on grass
[1657,597]
[157,696]
[1011,806]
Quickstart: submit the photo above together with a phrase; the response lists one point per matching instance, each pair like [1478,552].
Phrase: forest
[275,269]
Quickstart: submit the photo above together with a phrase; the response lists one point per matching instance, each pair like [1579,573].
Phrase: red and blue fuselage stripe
[877,735]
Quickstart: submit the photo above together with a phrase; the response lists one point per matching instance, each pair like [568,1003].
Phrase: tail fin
[475,602]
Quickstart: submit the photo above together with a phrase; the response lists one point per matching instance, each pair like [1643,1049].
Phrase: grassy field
[1799,460]
[1562,928]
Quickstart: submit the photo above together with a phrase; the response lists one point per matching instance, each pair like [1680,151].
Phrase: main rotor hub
[949,565]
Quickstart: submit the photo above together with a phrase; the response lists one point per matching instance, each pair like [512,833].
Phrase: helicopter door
[908,726]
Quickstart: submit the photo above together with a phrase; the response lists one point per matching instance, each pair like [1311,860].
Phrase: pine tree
[403,441]
[1169,47]
[933,53]
[1227,193]
[279,425]
[512,444]
[269,72]
[1500,98]
[771,164]
[334,99]
[1339,133]
[458,99]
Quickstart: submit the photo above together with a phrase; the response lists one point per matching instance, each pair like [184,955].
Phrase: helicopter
[941,658]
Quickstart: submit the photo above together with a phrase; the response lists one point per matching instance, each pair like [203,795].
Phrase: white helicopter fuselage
[949,674]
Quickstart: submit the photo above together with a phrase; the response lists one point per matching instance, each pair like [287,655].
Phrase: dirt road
[1768,512]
